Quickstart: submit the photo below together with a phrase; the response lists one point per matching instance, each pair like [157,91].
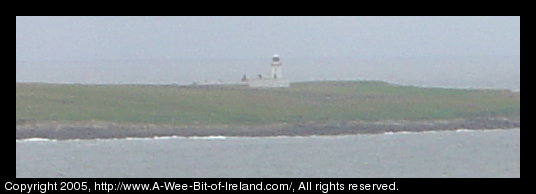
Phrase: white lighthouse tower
[275,80]
[276,68]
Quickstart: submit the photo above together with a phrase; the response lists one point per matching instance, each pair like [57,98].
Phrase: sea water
[461,153]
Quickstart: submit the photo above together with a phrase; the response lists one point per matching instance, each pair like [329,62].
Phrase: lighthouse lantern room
[276,67]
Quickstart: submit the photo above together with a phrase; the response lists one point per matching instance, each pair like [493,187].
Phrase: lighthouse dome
[275,57]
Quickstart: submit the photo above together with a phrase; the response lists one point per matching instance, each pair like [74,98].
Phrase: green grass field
[302,102]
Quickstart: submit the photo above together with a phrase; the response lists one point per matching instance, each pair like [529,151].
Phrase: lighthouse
[274,80]
[276,68]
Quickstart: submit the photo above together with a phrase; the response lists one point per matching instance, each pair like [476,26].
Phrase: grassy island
[326,102]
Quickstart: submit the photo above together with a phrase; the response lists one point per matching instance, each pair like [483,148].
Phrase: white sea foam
[439,131]
[169,137]
[35,140]
[464,130]
[399,132]
[208,137]
[263,137]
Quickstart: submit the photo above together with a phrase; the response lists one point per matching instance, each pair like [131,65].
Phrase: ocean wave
[208,137]
[439,131]
[36,140]
[218,137]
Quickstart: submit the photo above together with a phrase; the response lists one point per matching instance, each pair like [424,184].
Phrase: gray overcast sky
[132,38]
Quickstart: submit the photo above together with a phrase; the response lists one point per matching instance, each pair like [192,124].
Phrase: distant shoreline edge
[106,130]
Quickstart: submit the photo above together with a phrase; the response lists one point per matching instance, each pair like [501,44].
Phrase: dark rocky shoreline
[93,130]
